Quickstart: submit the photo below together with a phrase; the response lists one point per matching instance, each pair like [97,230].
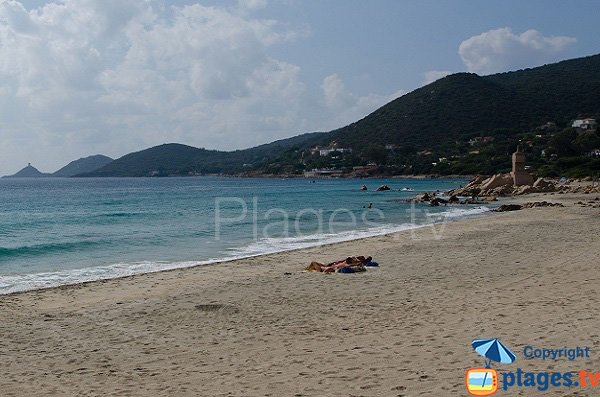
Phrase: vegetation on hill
[176,159]
[431,127]
[86,164]
[461,124]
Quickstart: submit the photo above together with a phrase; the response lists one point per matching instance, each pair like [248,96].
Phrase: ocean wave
[273,245]
[282,244]
[45,249]
[461,212]
[25,282]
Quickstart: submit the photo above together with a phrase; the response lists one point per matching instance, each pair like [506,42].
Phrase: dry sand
[262,327]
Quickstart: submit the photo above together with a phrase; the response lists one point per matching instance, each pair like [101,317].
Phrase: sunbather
[357,263]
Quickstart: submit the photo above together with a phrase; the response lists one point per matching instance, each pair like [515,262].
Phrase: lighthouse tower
[520,177]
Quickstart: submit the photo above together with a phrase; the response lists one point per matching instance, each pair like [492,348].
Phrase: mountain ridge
[82,165]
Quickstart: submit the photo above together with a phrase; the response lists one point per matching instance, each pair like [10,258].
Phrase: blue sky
[80,77]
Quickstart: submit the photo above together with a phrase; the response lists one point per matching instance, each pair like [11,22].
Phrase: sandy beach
[263,327]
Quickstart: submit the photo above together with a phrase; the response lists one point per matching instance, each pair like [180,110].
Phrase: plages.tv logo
[484,381]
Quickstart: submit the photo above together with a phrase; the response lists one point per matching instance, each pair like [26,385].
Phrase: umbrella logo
[484,381]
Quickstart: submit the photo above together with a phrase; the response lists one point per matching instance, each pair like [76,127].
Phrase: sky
[84,77]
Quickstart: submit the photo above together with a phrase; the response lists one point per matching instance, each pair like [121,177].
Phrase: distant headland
[86,164]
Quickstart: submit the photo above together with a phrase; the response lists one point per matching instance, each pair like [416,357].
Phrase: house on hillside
[330,149]
[584,124]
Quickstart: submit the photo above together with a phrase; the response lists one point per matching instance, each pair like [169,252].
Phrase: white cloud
[346,107]
[500,50]
[252,4]
[433,75]
[335,93]
[79,77]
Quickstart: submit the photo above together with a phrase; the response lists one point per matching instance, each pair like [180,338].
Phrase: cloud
[79,77]
[346,107]
[252,4]
[433,75]
[500,50]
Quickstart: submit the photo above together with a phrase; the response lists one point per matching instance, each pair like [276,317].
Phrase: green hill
[177,159]
[431,127]
[460,124]
[86,164]
[464,105]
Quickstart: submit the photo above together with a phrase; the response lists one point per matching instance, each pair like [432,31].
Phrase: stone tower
[520,177]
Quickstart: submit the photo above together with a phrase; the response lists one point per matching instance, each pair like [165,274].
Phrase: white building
[584,124]
[323,173]
[328,150]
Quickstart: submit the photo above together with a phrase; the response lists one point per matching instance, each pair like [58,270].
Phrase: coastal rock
[501,185]
[475,181]
[472,201]
[425,197]
[544,186]
[363,187]
[540,182]
[508,207]
[499,191]
[383,188]
[497,181]
[536,204]
[525,189]
[436,201]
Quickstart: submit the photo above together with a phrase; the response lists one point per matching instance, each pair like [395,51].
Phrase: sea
[58,231]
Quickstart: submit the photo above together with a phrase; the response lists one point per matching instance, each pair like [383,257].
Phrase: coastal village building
[328,150]
[323,173]
[519,175]
[584,124]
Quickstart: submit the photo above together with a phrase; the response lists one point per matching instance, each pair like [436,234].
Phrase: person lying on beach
[356,263]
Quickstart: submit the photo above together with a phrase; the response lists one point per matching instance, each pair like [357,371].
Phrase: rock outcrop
[535,204]
[502,185]
[509,207]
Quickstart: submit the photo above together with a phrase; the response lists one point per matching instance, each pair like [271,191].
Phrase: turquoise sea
[59,231]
